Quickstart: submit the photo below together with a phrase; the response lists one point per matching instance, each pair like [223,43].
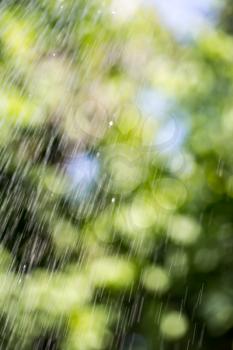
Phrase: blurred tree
[116,218]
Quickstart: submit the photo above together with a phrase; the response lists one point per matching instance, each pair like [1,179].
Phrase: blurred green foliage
[139,255]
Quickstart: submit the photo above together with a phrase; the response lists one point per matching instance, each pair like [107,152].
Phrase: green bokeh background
[143,259]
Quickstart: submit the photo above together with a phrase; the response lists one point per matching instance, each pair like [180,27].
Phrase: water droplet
[113,199]
[220,168]
[110,123]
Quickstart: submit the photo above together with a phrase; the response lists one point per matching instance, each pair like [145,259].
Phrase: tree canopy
[116,180]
